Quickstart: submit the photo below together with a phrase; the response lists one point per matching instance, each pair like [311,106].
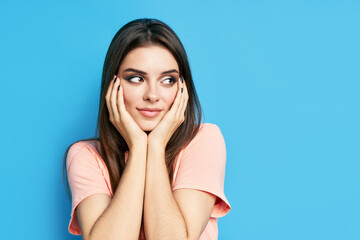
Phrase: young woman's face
[149,78]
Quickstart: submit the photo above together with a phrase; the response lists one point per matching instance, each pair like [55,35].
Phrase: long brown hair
[140,33]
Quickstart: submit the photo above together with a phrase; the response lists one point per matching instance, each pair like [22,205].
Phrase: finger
[178,112]
[120,99]
[184,100]
[186,96]
[108,97]
[113,100]
[175,104]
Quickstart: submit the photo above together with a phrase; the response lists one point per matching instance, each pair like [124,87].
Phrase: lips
[150,112]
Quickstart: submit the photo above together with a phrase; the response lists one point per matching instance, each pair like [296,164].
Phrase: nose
[151,93]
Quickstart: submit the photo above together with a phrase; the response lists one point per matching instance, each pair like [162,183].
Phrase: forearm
[162,216]
[122,218]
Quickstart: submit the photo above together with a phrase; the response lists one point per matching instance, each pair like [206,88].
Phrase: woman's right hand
[120,118]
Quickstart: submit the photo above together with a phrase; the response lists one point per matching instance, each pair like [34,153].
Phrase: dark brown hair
[140,33]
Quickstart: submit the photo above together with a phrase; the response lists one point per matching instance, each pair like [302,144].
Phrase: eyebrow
[142,72]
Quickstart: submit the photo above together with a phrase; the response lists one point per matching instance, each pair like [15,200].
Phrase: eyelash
[131,77]
[172,79]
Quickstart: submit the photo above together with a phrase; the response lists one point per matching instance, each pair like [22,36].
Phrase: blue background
[280,79]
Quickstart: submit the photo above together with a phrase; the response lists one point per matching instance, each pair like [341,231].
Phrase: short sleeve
[85,176]
[202,166]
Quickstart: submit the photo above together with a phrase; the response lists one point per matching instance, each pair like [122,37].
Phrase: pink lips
[150,112]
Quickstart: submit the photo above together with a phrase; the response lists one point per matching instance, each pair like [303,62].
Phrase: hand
[163,131]
[120,118]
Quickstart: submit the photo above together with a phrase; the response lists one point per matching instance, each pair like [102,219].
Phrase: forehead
[151,59]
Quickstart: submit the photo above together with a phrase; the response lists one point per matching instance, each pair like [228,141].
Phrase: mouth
[150,112]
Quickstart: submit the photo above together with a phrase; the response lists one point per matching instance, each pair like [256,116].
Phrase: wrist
[156,146]
[138,145]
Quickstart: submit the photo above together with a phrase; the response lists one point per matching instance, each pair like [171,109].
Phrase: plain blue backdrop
[280,79]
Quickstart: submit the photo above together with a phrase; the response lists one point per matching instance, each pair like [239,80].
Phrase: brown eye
[134,79]
[169,80]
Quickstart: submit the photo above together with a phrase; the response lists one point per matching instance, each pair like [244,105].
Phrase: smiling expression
[149,78]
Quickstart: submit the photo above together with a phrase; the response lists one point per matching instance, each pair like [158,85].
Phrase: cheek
[169,97]
[131,96]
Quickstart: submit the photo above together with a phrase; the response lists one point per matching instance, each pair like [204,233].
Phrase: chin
[147,127]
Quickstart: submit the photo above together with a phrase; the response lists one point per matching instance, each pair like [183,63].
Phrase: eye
[169,80]
[135,79]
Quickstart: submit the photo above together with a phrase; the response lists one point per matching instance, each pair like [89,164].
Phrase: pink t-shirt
[200,166]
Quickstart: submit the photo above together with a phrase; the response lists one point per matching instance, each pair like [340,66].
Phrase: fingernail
[182,90]
[119,88]
[115,79]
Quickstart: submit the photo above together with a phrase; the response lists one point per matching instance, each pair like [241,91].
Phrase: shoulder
[83,149]
[209,136]
[208,132]
[209,129]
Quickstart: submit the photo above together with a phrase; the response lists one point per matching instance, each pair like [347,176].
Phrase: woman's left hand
[163,131]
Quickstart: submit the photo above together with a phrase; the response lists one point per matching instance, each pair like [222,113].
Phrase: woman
[154,172]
